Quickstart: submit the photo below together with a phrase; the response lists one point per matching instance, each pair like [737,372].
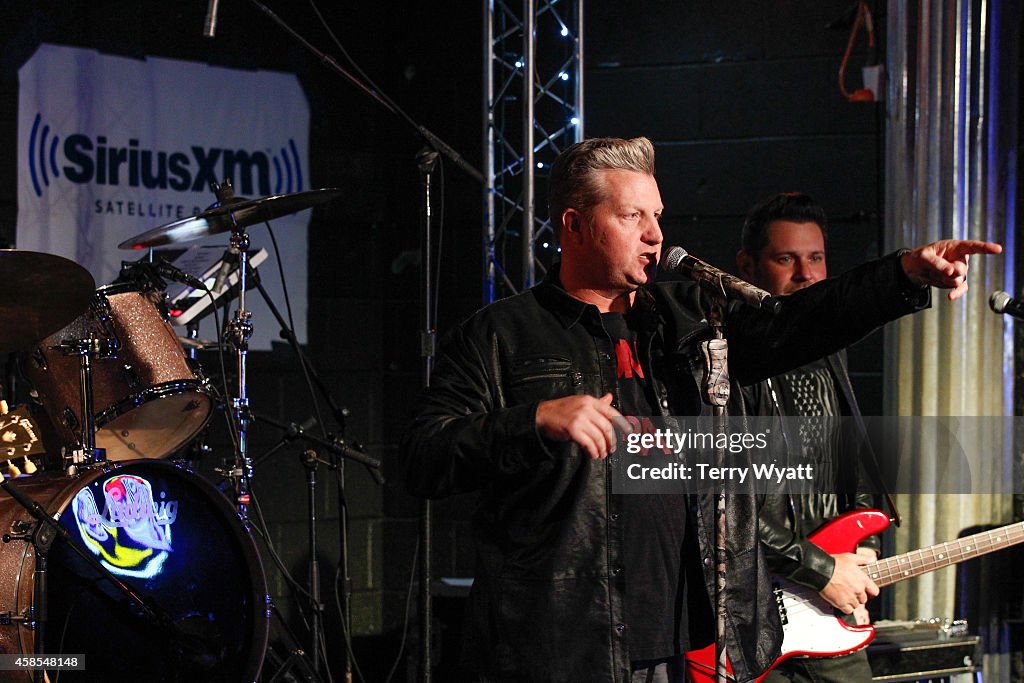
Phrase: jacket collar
[571,311]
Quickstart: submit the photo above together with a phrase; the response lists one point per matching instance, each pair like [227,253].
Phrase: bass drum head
[175,540]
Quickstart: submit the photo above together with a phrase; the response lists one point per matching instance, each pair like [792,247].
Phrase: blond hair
[575,180]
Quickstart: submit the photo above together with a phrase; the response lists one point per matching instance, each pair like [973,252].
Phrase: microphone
[169,271]
[210,25]
[1001,302]
[226,262]
[677,260]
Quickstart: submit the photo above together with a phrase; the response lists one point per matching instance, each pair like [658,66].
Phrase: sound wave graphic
[287,170]
[39,156]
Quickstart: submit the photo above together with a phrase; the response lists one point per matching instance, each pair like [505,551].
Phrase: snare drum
[147,400]
[175,540]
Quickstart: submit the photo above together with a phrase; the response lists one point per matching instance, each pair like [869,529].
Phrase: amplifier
[912,651]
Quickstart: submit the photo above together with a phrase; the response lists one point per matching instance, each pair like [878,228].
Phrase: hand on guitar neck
[850,587]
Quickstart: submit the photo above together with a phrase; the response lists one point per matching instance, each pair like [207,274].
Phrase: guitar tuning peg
[12,470]
[30,467]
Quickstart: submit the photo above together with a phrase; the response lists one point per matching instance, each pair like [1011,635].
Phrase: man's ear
[745,264]
[572,224]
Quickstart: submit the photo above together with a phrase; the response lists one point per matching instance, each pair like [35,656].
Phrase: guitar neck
[917,562]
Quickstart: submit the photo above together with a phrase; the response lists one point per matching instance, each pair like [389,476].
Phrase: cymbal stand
[239,332]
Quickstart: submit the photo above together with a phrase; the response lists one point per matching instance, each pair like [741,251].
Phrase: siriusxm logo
[81,159]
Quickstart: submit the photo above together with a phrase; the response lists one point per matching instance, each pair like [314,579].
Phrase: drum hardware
[234,214]
[88,350]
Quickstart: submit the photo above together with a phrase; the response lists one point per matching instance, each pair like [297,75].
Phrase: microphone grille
[672,258]
[998,301]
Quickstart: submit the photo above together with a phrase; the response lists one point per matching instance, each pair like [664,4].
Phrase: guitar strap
[866,453]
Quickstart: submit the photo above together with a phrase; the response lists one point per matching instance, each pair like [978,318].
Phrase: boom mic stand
[334,445]
[311,462]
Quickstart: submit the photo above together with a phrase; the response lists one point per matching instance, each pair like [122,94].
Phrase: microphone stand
[437,145]
[311,462]
[716,389]
[372,465]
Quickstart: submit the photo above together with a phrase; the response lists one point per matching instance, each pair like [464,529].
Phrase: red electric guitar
[810,627]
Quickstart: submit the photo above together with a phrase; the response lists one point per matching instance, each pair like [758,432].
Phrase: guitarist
[783,250]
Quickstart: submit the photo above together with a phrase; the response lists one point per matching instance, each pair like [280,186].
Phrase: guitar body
[810,627]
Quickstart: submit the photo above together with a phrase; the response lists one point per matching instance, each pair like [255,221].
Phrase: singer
[574,583]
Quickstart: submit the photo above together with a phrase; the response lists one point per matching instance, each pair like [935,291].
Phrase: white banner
[110,147]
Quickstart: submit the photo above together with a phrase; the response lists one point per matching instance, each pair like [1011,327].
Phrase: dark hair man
[783,251]
[523,405]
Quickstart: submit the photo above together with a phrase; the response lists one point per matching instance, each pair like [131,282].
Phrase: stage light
[575,120]
[519,64]
[564,76]
[565,31]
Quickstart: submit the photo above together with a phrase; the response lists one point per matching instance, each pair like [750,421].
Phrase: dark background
[740,98]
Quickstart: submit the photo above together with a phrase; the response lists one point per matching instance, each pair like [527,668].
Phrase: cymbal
[226,217]
[42,294]
[198,344]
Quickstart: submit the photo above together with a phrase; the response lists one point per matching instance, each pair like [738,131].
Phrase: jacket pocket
[538,378]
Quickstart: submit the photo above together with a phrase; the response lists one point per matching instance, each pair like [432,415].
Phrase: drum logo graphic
[132,535]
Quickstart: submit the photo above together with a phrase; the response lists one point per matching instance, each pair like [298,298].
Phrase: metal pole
[489,217]
[579,70]
[427,160]
[241,329]
[529,71]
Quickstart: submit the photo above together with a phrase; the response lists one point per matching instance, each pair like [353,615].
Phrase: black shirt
[657,540]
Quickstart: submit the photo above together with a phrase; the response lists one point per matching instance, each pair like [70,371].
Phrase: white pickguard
[811,628]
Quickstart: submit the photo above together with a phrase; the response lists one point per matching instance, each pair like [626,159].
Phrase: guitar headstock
[19,435]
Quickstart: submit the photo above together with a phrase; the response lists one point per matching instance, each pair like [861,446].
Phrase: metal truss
[533,109]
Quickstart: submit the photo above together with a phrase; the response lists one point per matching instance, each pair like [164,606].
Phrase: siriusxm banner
[110,147]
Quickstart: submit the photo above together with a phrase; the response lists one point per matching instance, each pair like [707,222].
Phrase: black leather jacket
[786,520]
[546,603]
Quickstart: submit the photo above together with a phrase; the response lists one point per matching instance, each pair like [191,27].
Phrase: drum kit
[113,549]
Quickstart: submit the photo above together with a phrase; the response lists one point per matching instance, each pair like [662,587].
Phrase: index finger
[965,247]
[608,411]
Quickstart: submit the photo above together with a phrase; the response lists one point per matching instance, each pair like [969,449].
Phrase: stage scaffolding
[533,109]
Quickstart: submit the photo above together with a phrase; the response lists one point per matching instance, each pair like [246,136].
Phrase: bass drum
[170,536]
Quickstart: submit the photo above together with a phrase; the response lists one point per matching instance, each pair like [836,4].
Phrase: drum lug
[39,359]
[9,618]
[69,418]
[101,307]
[22,531]
[132,376]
